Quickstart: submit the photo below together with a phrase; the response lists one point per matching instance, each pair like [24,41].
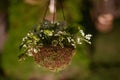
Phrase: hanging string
[54,10]
[46,10]
[54,13]
[61,4]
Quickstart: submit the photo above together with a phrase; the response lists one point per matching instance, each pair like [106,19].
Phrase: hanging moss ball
[54,58]
[52,44]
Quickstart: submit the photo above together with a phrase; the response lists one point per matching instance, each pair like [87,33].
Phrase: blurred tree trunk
[3,29]
[102,19]
[103,14]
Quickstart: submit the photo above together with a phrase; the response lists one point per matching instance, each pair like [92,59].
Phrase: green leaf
[72,29]
[22,57]
[54,42]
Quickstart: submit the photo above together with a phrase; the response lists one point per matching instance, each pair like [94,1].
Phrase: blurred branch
[3,29]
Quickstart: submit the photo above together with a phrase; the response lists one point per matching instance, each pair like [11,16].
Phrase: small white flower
[52,22]
[50,34]
[45,22]
[69,39]
[72,40]
[31,49]
[52,30]
[23,39]
[30,54]
[41,30]
[28,34]
[31,33]
[81,31]
[73,45]
[88,36]
[78,41]
[89,42]
[26,38]
[24,46]
[35,51]
[60,32]
[42,37]
[58,23]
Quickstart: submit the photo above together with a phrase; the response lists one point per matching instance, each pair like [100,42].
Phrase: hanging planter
[52,44]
